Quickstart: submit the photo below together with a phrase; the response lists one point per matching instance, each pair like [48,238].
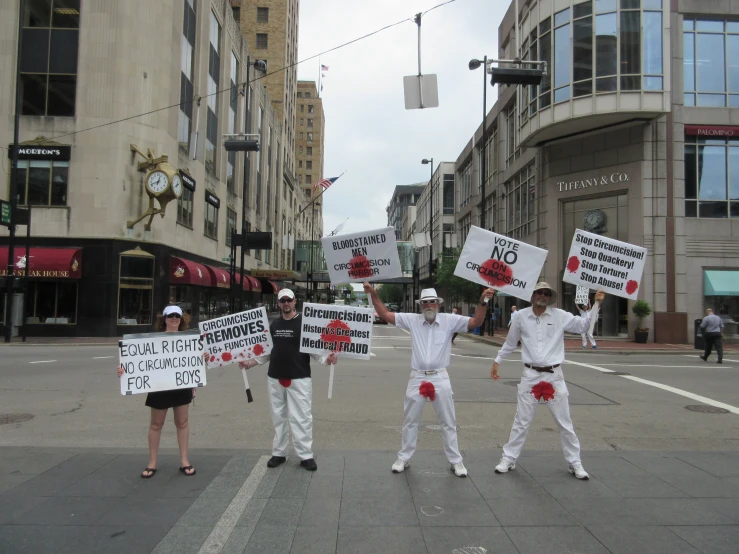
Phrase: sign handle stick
[246,386]
[594,316]
[330,380]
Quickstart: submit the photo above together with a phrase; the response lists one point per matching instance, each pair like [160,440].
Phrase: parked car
[378,319]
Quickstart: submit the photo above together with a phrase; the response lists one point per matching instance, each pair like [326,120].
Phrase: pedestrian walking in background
[712,328]
[497,313]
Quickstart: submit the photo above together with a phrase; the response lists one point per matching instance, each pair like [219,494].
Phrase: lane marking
[724,359]
[42,362]
[651,365]
[101,357]
[225,526]
[680,392]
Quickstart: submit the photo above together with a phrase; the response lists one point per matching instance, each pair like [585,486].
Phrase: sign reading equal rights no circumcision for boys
[611,265]
[365,256]
[161,361]
[236,337]
[506,264]
[345,330]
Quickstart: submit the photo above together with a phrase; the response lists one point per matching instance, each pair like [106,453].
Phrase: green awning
[720,283]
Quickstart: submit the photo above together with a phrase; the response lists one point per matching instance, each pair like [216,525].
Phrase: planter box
[641,336]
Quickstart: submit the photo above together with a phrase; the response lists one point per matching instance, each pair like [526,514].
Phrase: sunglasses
[173,316]
[546,293]
[428,301]
[285,300]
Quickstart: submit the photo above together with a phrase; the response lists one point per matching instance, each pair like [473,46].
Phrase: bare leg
[183,433]
[155,433]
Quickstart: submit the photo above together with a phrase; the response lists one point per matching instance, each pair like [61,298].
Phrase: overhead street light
[246,143]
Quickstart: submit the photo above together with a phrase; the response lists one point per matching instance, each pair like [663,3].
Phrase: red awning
[273,285]
[256,286]
[49,263]
[221,279]
[187,272]
[247,282]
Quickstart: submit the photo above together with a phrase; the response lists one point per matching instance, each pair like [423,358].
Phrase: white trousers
[292,406]
[550,389]
[586,337]
[443,403]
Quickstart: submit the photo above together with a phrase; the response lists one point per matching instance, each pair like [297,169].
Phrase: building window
[275,255]
[230,225]
[310,123]
[512,150]
[232,109]
[42,183]
[184,208]
[309,165]
[262,41]
[308,179]
[448,194]
[465,189]
[135,288]
[464,227]
[187,69]
[307,94]
[300,95]
[310,108]
[49,59]
[521,196]
[300,164]
[262,15]
[310,137]
[302,121]
[309,151]
[301,107]
[711,177]
[300,149]
[711,64]
[214,72]
[211,221]
[51,302]
[248,230]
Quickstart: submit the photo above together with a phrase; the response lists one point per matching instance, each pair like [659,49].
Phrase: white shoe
[504,465]
[400,465]
[459,470]
[578,471]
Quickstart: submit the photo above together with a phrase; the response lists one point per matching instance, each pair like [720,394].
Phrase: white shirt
[513,317]
[542,338]
[431,345]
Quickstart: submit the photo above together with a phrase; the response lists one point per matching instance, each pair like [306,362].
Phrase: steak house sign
[597,181]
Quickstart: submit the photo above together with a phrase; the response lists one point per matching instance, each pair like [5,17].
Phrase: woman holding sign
[170,321]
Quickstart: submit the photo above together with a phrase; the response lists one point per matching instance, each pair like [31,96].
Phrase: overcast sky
[369,133]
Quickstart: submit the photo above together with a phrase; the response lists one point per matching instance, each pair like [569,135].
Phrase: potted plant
[641,310]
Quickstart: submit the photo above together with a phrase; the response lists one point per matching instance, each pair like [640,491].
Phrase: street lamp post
[474,64]
[431,216]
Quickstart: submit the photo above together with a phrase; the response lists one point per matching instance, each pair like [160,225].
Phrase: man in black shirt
[290,386]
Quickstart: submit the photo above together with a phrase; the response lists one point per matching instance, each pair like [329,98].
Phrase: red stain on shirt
[631,287]
[573,264]
[285,382]
[258,350]
[359,267]
[427,390]
[226,356]
[496,273]
[336,332]
[543,389]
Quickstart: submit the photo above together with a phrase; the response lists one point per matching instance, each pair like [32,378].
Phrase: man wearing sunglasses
[290,386]
[541,329]
[431,349]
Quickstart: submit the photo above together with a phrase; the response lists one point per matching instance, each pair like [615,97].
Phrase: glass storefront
[607,216]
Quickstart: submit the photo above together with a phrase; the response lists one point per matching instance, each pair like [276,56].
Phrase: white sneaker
[504,465]
[578,471]
[459,470]
[400,465]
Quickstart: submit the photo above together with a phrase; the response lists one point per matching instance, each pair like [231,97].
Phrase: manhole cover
[617,373]
[5,419]
[512,383]
[704,409]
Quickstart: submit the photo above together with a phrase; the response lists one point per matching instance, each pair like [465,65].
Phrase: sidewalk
[606,345]
[58,500]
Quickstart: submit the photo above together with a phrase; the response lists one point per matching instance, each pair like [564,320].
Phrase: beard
[541,303]
[429,315]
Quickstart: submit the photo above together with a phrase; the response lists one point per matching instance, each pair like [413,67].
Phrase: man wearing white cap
[431,346]
[541,328]
[290,386]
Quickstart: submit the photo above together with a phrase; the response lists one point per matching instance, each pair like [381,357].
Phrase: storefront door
[607,216]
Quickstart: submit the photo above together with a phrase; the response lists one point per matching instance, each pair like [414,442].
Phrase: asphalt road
[73,394]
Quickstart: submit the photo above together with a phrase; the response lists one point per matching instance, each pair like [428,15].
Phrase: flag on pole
[324,68]
[324,183]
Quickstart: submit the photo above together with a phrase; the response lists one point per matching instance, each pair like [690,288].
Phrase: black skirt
[161,400]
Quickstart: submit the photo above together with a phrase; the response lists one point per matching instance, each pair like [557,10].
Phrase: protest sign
[346,330]
[236,337]
[506,264]
[161,361]
[582,295]
[365,256]
[606,264]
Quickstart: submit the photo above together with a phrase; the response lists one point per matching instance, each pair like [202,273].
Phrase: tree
[455,288]
[391,293]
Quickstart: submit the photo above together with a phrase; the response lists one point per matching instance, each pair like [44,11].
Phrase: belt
[429,372]
[545,369]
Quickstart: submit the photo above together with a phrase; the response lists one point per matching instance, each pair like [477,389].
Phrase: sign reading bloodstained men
[236,337]
[506,264]
[598,262]
[366,256]
[345,330]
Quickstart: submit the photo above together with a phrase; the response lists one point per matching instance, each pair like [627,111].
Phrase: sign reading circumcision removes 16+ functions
[611,265]
[345,330]
[236,337]
[506,264]
[366,256]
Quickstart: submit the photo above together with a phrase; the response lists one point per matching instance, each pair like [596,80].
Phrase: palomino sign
[599,181]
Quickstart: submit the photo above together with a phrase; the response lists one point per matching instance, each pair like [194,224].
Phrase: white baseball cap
[286,292]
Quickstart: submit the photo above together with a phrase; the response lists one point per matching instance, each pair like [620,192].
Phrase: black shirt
[286,361]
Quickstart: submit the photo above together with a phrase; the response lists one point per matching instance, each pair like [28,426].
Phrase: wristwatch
[483,303]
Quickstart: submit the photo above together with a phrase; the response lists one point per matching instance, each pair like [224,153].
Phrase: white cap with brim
[429,294]
[544,285]
[172,310]
[286,292]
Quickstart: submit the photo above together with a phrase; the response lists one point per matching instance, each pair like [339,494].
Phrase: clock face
[594,219]
[157,182]
[177,186]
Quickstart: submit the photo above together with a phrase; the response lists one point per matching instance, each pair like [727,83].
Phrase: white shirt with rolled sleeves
[431,344]
[542,338]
